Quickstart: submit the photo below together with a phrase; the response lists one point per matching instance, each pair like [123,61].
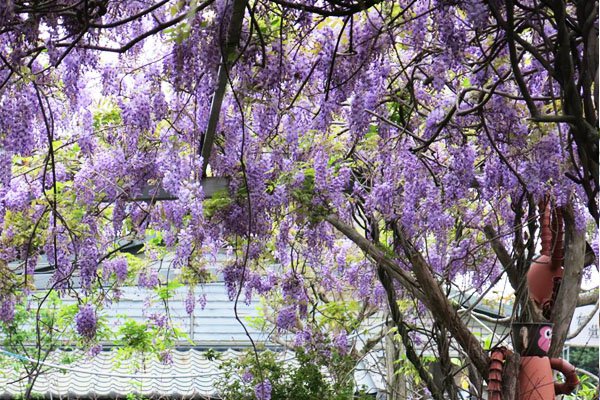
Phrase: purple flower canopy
[360,142]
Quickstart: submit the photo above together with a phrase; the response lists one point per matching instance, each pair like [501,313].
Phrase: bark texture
[568,295]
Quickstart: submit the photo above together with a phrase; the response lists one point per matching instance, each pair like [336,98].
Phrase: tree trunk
[510,376]
[396,382]
[476,388]
[424,287]
[568,295]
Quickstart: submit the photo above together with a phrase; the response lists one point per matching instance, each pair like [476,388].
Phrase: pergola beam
[210,186]
[228,56]
[152,193]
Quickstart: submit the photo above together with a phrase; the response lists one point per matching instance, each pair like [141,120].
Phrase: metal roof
[191,375]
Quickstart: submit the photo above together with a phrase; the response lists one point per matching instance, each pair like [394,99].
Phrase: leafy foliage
[299,377]
[585,358]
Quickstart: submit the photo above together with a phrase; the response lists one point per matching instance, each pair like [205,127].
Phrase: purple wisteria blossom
[190,302]
[286,318]
[7,308]
[247,376]
[149,279]
[262,391]
[341,343]
[86,321]
[166,357]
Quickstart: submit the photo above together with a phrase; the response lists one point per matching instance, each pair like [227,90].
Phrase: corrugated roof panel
[86,376]
[190,374]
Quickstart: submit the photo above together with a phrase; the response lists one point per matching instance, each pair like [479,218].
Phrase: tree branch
[567,298]
[130,18]
[349,10]
[587,298]
[158,28]
[584,323]
[378,255]
[398,319]
[503,255]
[441,308]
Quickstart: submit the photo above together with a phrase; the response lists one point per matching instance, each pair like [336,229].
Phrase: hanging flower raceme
[86,321]
[7,308]
[263,390]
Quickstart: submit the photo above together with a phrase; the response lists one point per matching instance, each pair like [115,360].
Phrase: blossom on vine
[340,342]
[86,321]
[263,390]
[7,308]
[190,302]
[286,318]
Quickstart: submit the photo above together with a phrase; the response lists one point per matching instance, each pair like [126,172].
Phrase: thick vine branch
[566,301]
[398,319]
[430,294]
[378,255]
[587,298]
[441,308]
[503,255]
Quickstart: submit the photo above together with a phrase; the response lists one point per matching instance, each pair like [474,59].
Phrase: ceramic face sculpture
[545,338]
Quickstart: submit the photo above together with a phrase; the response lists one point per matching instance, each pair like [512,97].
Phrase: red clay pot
[535,379]
[540,279]
[548,266]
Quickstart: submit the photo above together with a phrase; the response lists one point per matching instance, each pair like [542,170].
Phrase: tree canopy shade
[383,148]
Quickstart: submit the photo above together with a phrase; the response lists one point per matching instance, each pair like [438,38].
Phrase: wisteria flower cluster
[86,321]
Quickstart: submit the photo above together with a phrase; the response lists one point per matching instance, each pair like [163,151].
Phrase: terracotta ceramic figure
[532,340]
